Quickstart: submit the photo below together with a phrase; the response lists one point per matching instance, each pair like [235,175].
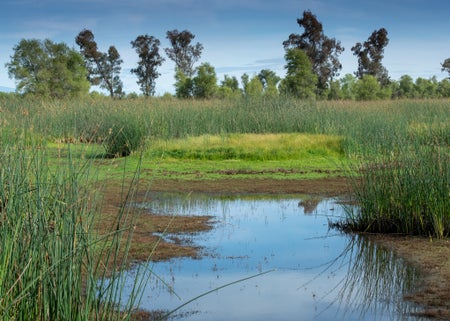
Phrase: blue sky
[239,36]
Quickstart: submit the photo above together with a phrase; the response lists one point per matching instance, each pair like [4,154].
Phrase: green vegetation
[51,260]
[52,265]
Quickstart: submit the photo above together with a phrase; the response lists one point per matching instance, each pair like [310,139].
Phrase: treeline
[49,69]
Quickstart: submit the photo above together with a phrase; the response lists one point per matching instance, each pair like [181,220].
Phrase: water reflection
[314,273]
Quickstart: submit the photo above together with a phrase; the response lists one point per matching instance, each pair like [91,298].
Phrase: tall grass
[406,193]
[52,265]
[402,146]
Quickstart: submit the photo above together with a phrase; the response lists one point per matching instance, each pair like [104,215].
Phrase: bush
[123,136]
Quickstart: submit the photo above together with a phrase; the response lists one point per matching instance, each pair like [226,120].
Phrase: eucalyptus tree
[323,52]
[370,55]
[147,47]
[103,68]
[182,52]
[446,66]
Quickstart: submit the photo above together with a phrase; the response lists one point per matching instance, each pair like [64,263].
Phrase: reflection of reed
[375,283]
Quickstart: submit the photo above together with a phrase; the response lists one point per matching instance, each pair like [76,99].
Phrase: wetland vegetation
[58,157]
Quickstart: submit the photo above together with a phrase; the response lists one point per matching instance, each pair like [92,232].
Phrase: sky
[239,36]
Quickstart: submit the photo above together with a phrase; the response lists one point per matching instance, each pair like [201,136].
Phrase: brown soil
[431,257]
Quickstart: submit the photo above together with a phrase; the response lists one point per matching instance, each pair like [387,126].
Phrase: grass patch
[252,147]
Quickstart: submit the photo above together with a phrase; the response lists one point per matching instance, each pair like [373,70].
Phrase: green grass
[52,265]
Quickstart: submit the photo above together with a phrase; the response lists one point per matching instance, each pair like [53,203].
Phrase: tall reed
[51,263]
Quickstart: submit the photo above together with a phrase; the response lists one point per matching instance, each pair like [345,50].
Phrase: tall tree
[269,79]
[322,51]
[446,66]
[48,69]
[147,47]
[300,80]
[104,68]
[205,82]
[370,54]
[182,52]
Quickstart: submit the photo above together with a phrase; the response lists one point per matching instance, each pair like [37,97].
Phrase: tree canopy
[182,52]
[370,54]
[322,51]
[446,66]
[48,69]
[147,47]
[103,68]
[300,79]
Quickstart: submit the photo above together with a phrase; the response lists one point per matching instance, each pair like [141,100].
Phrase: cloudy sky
[239,36]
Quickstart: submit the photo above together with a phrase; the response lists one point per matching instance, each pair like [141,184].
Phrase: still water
[291,265]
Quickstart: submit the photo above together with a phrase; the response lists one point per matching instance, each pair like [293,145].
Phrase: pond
[274,257]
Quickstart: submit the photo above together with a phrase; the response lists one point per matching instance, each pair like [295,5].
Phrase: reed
[52,265]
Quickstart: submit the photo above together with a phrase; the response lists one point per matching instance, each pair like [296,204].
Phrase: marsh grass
[52,265]
[404,193]
[252,147]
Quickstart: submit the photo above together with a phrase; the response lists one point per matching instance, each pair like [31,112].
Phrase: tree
[205,82]
[370,54]
[48,69]
[406,87]
[229,88]
[300,80]
[184,86]
[147,47]
[369,88]
[322,51]
[254,87]
[270,80]
[347,86]
[182,52]
[446,66]
[103,68]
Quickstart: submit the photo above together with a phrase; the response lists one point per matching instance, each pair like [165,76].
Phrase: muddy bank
[432,258]
[332,186]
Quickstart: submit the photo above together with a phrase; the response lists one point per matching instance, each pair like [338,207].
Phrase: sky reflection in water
[316,273]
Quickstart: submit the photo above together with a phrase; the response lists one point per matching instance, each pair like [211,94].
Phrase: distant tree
[446,66]
[205,82]
[182,52]
[348,86]
[406,87]
[229,88]
[300,80]
[48,69]
[245,79]
[103,68]
[230,82]
[147,47]
[370,54]
[426,88]
[254,87]
[322,51]
[335,92]
[184,86]
[443,89]
[270,80]
[369,88]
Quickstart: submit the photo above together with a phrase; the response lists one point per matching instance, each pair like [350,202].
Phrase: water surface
[294,266]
